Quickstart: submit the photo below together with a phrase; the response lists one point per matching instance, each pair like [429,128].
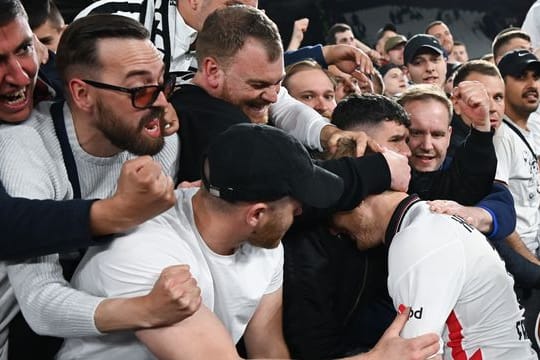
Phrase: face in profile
[360,224]
[275,222]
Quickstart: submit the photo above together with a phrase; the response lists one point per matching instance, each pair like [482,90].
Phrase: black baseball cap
[418,42]
[253,162]
[514,63]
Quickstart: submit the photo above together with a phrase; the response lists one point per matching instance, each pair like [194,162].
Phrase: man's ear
[255,214]
[455,104]
[81,94]
[194,4]
[213,72]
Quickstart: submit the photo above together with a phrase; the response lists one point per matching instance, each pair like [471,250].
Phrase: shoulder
[132,263]
[428,236]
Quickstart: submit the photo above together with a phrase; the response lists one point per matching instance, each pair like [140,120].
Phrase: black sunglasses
[142,97]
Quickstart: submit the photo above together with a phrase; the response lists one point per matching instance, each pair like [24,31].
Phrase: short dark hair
[367,110]
[226,30]
[504,37]
[10,10]
[477,66]
[459,43]
[39,11]
[432,24]
[77,49]
[334,29]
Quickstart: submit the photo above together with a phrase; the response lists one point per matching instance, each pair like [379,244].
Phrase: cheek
[414,143]
[30,65]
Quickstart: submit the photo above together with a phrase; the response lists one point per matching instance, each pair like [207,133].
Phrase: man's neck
[200,81]
[519,119]
[217,230]
[90,138]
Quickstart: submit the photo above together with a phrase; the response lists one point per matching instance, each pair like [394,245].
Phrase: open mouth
[153,128]
[16,99]
[531,95]
[425,158]
[431,80]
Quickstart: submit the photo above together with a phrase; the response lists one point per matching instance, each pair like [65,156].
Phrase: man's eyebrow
[142,72]
[25,42]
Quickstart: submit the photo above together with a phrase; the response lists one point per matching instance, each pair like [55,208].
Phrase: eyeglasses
[142,97]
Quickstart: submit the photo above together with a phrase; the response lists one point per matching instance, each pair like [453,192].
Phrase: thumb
[399,322]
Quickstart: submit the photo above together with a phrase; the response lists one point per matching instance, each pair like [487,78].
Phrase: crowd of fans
[175,185]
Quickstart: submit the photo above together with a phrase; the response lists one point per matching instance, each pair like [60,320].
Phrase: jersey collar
[397,217]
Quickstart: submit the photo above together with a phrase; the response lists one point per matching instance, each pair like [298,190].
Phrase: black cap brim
[530,65]
[431,48]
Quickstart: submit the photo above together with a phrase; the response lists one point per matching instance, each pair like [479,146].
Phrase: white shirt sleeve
[131,264]
[298,120]
[426,272]
[505,157]
[531,24]
[48,302]
[277,279]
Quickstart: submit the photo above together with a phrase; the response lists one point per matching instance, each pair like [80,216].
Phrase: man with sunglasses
[116,94]
[174,27]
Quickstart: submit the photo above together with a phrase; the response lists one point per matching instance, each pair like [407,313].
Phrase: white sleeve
[277,279]
[298,120]
[131,264]
[505,156]
[426,272]
[48,302]
[27,169]
[531,24]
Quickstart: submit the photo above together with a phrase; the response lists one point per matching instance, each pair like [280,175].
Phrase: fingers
[189,184]
[179,272]
[172,124]
[399,322]
[400,171]
[374,146]
[301,24]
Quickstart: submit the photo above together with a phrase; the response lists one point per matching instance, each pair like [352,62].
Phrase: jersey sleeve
[426,273]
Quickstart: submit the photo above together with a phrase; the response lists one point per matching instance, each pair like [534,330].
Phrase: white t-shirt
[231,286]
[456,286]
[517,167]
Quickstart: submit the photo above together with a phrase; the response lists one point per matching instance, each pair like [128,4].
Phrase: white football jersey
[456,285]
